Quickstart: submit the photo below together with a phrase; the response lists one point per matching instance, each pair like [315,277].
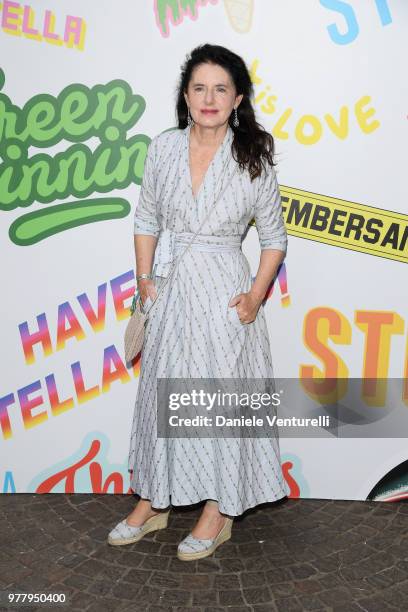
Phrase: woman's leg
[210,522]
[142,511]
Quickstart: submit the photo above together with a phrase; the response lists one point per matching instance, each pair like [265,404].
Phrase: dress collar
[217,164]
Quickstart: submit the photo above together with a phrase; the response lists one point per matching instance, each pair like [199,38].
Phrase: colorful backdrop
[84,86]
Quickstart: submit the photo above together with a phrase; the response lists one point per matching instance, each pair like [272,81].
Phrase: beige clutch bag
[134,332]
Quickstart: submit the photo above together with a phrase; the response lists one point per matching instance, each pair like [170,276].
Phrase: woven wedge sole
[154,523]
[223,536]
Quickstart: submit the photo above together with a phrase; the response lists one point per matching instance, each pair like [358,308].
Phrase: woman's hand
[247,305]
[147,289]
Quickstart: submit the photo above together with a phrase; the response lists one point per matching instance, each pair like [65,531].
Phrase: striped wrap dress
[193,332]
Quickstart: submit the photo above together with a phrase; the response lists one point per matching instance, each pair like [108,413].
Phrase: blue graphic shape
[9,485]
[384,12]
[351,20]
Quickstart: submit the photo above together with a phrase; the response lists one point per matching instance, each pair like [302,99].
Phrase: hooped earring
[235,121]
[190,120]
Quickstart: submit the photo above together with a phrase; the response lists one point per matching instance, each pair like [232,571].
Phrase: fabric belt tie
[170,243]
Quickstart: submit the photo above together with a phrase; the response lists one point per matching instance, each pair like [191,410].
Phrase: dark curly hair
[252,145]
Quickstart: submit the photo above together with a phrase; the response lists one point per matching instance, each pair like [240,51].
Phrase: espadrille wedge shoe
[124,533]
[197,548]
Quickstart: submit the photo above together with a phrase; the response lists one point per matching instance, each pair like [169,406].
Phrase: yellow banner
[345,224]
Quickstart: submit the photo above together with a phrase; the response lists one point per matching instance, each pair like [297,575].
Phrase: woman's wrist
[143,283]
[144,275]
[258,294]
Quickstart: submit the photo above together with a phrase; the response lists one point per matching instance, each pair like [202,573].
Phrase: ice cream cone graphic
[239,13]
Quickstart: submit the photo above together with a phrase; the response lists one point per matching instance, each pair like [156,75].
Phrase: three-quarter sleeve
[145,217]
[268,213]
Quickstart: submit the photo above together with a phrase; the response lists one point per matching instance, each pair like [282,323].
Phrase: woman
[207,323]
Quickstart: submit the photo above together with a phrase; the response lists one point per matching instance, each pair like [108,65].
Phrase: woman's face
[211,88]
